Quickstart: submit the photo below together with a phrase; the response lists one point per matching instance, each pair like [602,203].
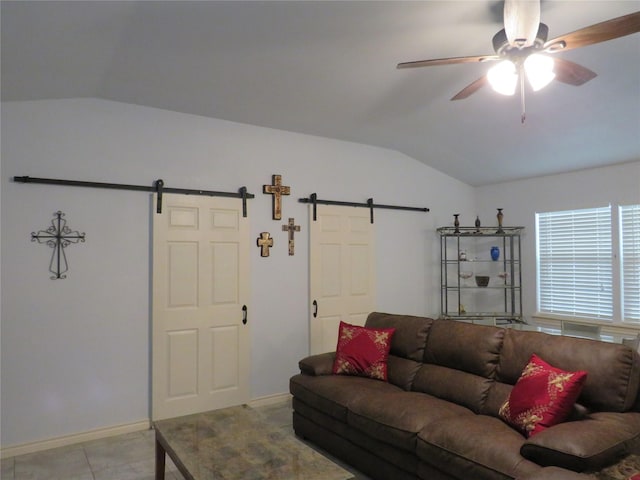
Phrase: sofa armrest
[321,364]
[585,445]
[556,473]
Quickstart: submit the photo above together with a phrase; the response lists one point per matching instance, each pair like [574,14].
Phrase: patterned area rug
[627,469]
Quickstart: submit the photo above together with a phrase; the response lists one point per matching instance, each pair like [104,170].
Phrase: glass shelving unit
[466,253]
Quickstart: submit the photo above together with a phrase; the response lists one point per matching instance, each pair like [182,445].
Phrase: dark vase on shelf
[456,223]
[495,253]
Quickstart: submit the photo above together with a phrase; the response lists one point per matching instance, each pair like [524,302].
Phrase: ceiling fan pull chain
[522,102]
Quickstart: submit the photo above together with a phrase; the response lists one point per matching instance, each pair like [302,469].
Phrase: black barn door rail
[314,200]
[158,187]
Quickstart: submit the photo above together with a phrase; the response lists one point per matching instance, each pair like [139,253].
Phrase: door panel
[182,277]
[182,361]
[224,341]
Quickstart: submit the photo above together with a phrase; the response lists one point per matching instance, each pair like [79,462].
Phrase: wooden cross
[277,190]
[265,242]
[291,228]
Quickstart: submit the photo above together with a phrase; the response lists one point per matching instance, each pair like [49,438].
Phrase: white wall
[75,352]
[521,200]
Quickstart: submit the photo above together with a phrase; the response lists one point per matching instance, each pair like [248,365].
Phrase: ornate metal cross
[265,242]
[58,236]
[291,228]
[277,190]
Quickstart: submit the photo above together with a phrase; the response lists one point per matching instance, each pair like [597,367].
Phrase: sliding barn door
[200,302]
[342,271]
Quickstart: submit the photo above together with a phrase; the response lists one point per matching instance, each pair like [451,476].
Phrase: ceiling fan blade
[447,61]
[572,73]
[599,32]
[470,89]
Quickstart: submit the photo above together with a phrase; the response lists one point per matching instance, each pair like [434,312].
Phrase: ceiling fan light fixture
[503,77]
[539,70]
[521,20]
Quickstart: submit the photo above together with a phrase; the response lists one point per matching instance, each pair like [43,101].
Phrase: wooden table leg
[160,459]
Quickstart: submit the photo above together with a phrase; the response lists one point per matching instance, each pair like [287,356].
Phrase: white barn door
[200,300]
[342,272]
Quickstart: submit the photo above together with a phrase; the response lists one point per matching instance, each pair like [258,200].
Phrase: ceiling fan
[521,46]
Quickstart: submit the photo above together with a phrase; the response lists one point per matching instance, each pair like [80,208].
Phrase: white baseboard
[33,447]
[270,400]
[74,438]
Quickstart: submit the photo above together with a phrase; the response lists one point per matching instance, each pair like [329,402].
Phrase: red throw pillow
[362,351]
[543,396]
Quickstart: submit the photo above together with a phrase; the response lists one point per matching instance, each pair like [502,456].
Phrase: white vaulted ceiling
[328,68]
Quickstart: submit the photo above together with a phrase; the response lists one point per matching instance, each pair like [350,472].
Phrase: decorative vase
[495,253]
[477,224]
[456,223]
[500,216]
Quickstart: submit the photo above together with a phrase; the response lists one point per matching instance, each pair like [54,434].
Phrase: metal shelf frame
[453,240]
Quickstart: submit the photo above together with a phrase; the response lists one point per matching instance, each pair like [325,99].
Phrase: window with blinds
[630,261]
[575,263]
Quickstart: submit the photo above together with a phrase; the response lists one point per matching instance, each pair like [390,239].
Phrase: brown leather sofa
[437,416]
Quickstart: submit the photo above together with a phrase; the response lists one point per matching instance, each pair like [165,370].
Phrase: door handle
[315,306]
[244,314]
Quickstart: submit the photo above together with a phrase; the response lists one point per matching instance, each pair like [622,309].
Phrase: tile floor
[124,457]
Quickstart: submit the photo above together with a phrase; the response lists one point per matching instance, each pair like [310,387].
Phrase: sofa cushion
[460,362]
[362,351]
[410,336]
[542,397]
[466,347]
[331,394]
[614,370]
[498,394]
[453,385]
[401,371]
[474,447]
[396,417]
[586,445]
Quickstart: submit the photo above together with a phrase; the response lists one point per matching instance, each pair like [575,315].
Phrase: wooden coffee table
[237,443]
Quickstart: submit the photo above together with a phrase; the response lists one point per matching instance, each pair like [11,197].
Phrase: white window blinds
[630,261]
[574,263]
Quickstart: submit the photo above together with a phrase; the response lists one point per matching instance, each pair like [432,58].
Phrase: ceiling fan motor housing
[501,43]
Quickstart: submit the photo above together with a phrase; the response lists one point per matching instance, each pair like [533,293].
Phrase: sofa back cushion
[453,385]
[460,362]
[463,346]
[402,371]
[410,335]
[613,370]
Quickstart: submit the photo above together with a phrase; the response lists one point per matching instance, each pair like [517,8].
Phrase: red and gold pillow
[543,396]
[362,351]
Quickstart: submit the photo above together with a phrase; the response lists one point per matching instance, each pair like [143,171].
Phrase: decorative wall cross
[291,228]
[265,242]
[277,190]
[58,236]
